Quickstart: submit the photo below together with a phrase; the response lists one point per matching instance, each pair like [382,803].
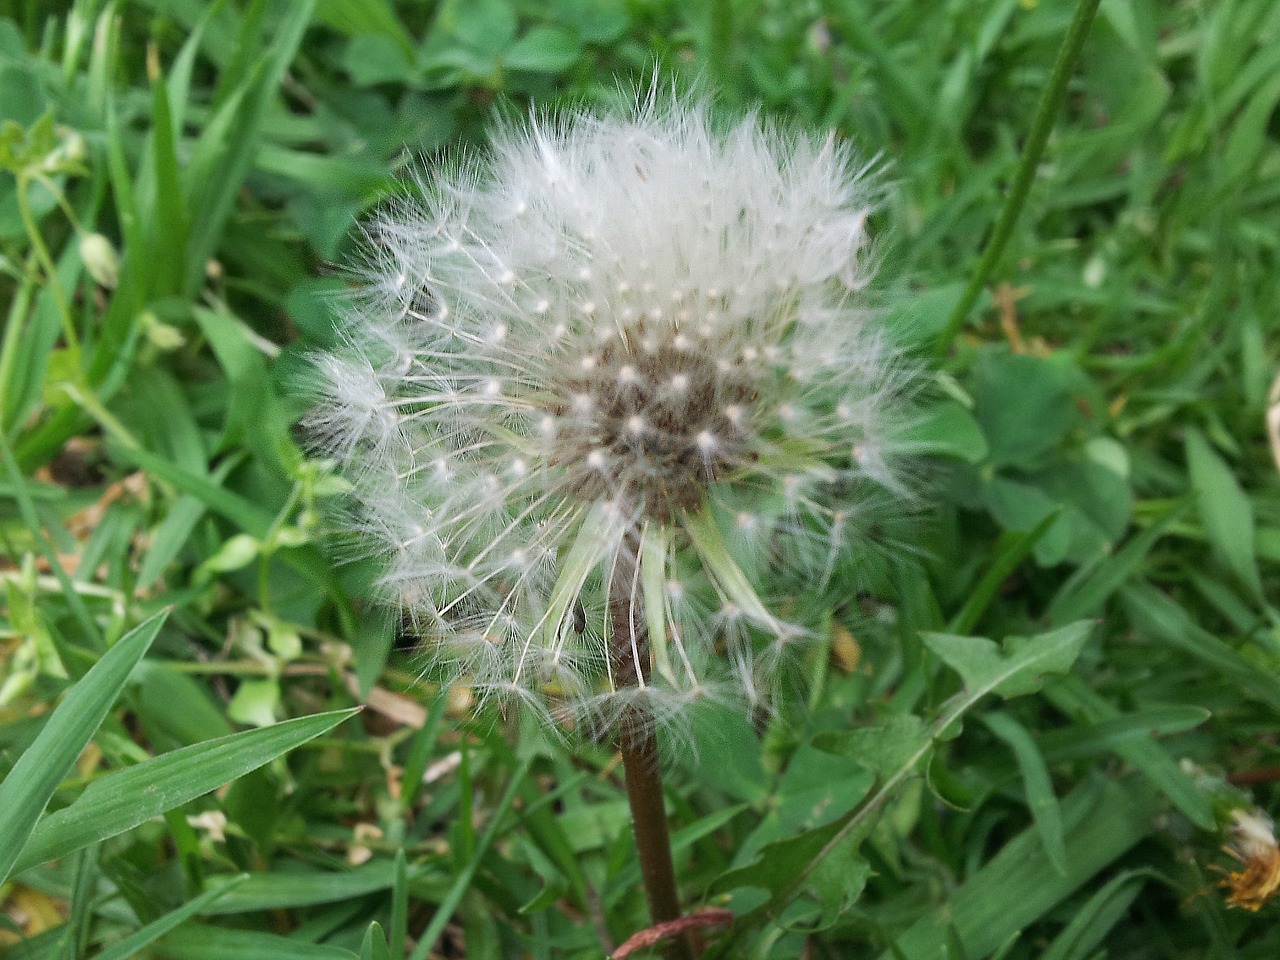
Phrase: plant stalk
[1041,127]
[638,744]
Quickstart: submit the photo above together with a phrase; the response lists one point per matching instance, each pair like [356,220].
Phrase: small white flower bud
[100,259]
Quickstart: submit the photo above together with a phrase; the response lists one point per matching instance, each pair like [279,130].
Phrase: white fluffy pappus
[619,357]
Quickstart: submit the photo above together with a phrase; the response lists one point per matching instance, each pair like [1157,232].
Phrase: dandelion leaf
[884,748]
[1017,669]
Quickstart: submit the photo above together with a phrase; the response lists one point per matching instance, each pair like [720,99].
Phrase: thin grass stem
[1041,127]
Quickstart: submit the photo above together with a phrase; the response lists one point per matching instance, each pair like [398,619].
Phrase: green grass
[1100,482]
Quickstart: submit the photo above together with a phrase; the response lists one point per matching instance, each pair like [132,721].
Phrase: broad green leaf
[837,883]
[1225,511]
[236,553]
[255,702]
[486,26]
[1025,405]
[1024,507]
[312,305]
[783,864]
[544,50]
[596,21]
[921,317]
[28,787]
[121,800]
[1017,670]
[21,98]
[947,430]
[1098,499]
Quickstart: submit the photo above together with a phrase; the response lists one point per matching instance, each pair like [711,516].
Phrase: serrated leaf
[1017,670]
[780,863]
[880,747]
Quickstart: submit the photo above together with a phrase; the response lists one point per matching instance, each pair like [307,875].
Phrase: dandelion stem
[1041,127]
[638,744]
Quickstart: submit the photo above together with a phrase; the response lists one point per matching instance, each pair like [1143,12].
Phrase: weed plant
[1026,733]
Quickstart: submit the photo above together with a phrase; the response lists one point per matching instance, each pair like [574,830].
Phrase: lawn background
[1096,476]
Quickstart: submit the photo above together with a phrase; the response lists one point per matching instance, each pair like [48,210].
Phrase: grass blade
[1103,820]
[27,789]
[461,883]
[153,931]
[1045,812]
[1050,103]
[125,798]
[1225,511]
[1154,614]
[198,941]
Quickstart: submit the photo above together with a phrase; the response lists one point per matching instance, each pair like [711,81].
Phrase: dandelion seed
[634,395]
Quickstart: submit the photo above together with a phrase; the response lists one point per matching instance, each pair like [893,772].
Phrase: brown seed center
[652,421]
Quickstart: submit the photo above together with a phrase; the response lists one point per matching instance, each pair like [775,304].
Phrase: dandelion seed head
[660,354]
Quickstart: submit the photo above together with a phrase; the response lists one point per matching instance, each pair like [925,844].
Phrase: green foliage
[29,785]
[174,180]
